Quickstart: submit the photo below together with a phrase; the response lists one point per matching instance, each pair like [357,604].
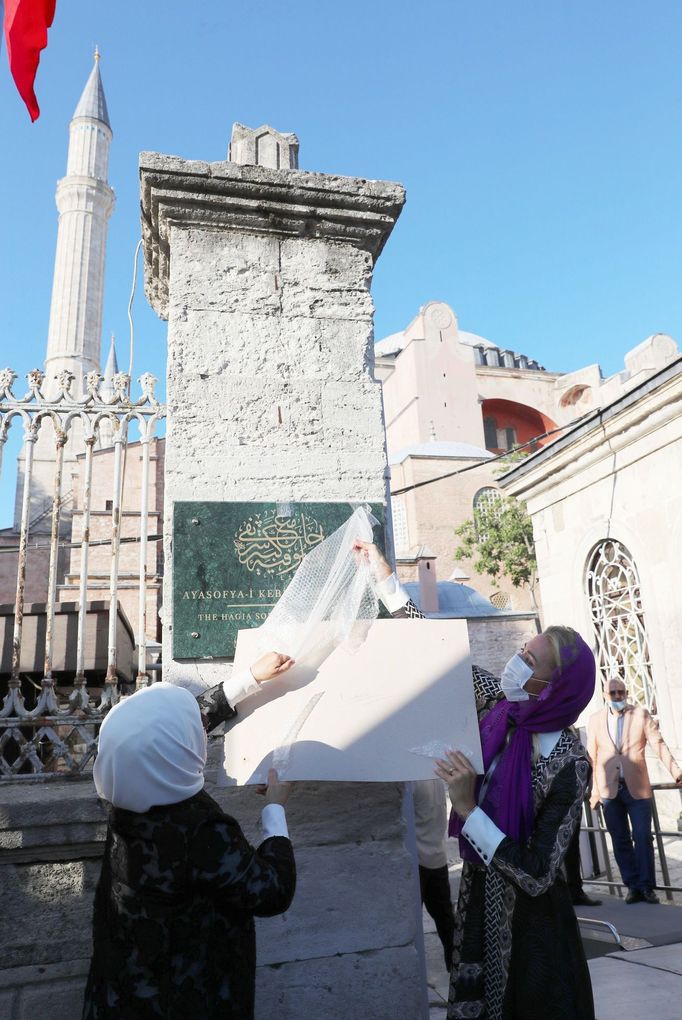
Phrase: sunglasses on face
[617,694]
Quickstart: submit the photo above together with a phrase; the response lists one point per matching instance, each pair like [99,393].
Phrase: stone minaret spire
[85,202]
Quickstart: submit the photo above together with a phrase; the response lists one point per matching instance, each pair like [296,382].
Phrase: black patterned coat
[517,948]
[173,921]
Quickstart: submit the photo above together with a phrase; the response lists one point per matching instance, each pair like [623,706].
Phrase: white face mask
[514,675]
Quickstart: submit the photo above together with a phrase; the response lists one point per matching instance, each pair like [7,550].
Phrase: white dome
[442,451]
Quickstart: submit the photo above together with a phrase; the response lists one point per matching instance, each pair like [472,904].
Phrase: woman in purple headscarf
[517,950]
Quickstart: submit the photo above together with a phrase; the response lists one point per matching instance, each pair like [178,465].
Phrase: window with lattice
[487,500]
[401,537]
[614,594]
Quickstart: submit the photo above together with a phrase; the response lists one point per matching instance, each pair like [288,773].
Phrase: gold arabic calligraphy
[274,545]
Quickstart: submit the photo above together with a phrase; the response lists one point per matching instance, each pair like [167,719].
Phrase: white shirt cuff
[483,834]
[392,593]
[273,821]
[239,685]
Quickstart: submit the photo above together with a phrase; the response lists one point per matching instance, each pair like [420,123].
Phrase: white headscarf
[152,749]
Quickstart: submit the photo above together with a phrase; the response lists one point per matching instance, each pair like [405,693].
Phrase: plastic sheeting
[330,600]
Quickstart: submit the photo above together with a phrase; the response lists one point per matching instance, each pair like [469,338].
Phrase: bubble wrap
[330,599]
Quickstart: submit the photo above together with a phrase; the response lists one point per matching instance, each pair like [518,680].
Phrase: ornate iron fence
[57,736]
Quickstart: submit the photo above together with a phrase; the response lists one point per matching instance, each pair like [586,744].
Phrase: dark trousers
[629,823]
[574,879]
[435,889]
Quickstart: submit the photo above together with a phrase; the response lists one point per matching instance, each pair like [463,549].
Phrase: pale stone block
[8,999]
[40,902]
[324,265]
[348,899]
[284,413]
[304,348]
[384,985]
[46,815]
[321,814]
[233,272]
[54,990]
[63,1001]
[300,300]
[263,146]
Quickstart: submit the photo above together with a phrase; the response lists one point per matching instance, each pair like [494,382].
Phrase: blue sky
[539,142]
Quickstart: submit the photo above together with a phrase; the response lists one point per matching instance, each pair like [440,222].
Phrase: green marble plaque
[232,561]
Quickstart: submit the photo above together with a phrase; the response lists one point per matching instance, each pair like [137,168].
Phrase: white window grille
[401,535]
[487,499]
[615,598]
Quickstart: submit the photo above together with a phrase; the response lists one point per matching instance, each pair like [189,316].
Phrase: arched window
[487,499]
[614,593]
[401,537]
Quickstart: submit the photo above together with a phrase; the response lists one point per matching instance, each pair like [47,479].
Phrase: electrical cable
[491,460]
[130,308]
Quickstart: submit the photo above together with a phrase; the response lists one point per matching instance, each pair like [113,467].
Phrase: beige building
[605,502]
[99,560]
[453,401]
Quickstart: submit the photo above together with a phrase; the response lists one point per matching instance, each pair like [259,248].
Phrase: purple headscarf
[508,799]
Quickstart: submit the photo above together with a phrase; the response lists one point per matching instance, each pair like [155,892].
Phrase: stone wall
[493,640]
[617,477]
[434,512]
[328,956]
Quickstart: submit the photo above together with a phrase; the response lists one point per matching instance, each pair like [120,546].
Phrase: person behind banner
[173,929]
[517,948]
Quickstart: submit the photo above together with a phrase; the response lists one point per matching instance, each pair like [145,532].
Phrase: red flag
[26,23]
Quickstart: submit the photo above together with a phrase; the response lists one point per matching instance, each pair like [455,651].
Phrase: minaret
[106,390]
[85,202]
[110,370]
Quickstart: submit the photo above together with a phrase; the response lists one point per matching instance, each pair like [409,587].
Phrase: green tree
[499,540]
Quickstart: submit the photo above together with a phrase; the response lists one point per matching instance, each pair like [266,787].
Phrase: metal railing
[52,738]
[598,834]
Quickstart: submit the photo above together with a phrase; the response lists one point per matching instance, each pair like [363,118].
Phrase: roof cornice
[603,434]
[256,199]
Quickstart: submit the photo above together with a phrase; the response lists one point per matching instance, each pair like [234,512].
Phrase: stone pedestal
[264,277]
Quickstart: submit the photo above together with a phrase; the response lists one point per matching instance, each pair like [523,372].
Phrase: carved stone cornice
[255,199]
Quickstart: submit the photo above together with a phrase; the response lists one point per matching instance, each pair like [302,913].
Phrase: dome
[390,344]
[442,450]
[456,601]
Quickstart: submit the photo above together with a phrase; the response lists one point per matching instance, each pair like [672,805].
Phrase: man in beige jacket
[616,738]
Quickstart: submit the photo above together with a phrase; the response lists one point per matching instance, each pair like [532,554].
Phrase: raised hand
[372,555]
[274,792]
[270,665]
[457,771]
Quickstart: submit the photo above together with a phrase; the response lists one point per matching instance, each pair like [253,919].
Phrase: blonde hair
[560,637]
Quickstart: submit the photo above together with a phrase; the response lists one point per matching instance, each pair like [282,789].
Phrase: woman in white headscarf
[173,922]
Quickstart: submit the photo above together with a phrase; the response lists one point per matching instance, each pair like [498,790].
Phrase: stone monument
[263,272]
